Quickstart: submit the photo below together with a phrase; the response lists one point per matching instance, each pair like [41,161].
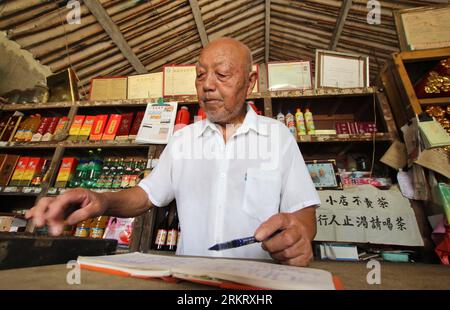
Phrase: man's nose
[209,84]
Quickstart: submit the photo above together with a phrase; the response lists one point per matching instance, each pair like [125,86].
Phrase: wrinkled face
[223,82]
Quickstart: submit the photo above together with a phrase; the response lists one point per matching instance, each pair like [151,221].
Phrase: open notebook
[224,273]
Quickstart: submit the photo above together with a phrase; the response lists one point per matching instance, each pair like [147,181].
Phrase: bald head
[231,46]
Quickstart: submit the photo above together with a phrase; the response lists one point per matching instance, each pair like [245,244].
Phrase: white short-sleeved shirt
[224,191]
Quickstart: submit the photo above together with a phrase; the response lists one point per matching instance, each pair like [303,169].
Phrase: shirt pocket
[262,193]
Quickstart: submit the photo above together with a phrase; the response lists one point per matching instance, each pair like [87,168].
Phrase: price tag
[11,189]
[27,190]
[52,191]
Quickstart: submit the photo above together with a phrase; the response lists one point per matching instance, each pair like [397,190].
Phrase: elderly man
[225,186]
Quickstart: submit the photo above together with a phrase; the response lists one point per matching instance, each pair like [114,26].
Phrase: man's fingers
[276,222]
[91,210]
[301,261]
[299,248]
[282,240]
[37,213]
[61,203]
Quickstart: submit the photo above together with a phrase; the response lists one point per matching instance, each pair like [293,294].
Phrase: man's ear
[252,79]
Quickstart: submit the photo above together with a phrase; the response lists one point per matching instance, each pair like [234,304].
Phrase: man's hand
[292,244]
[58,211]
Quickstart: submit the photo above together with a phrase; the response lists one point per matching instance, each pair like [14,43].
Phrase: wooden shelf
[435,101]
[344,138]
[29,145]
[306,93]
[102,144]
[74,144]
[61,190]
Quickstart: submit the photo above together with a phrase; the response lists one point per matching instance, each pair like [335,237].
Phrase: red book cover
[125,126]
[136,124]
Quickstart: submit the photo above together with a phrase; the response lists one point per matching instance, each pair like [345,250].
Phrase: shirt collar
[250,122]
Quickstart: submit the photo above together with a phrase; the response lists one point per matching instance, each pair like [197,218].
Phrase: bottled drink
[98,226]
[200,115]
[280,117]
[290,123]
[117,180]
[111,174]
[80,174]
[129,167]
[39,178]
[83,228]
[300,122]
[182,119]
[93,170]
[161,232]
[172,234]
[310,128]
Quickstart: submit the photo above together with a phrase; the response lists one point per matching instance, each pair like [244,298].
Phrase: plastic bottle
[280,117]
[300,122]
[200,115]
[98,226]
[83,228]
[310,128]
[182,119]
[290,123]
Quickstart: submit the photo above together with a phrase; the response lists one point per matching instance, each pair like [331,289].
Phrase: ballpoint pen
[237,243]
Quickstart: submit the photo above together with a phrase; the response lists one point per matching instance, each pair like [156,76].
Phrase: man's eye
[200,75]
[221,75]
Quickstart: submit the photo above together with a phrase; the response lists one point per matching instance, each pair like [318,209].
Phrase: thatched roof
[154,33]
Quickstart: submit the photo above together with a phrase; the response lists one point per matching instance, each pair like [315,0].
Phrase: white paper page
[247,272]
[145,86]
[342,72]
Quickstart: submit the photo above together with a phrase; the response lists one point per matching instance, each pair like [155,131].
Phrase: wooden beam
[114,33]
[267,32]
[345,8]
[199,22]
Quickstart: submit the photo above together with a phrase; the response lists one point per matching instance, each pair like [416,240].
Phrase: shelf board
[435,101]
[103,144]
[61,190]
[305,93]
[20,190]
[74,144]
[29,145]
[321,92]
[344,138]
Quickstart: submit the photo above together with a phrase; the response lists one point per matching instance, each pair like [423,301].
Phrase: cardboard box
[66,171]
[59,130]
[34,167]
[75,128]
[112,127]
[7,166]
[19,171]
[98,127]
[45,123]
[124,127]
[11,128]
[136,124]
[85,130]
[48,134]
